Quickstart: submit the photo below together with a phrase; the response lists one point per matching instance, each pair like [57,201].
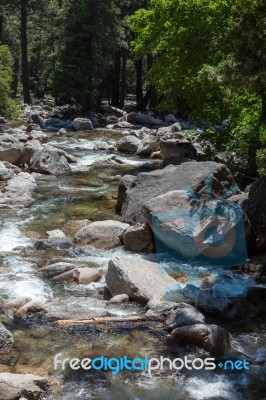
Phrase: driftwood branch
[100,320]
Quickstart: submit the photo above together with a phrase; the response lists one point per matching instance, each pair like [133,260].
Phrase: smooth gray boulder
[202,178]
[140,279]
[82,124]
[101,234]
[128,144]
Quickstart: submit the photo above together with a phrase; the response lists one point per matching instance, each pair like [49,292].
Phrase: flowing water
[89,193]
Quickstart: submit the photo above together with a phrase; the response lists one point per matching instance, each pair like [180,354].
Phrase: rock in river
[186,224]
[6,339]
[139,239]
[202,178]
[128,144]
[101,234]
[141,280]
[14,386]
[82,124]
[49,161]
[212,338]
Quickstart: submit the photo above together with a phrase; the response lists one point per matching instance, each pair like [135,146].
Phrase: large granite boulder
[203,179]
[17,192]
[196,229]
[128,144]
[11,153]
[16,386]
[49,161]
[28,150]
[101,234]
[82,124]
[179,148]
[141,280]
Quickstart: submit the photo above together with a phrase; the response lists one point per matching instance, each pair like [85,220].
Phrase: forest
[202,60]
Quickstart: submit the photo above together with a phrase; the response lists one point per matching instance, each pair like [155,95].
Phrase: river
[88,192]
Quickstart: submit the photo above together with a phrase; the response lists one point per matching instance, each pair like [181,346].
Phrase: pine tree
[89,39]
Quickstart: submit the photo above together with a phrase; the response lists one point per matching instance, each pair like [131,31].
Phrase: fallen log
[100,320]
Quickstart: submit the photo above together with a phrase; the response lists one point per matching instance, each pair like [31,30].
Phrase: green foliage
[186,40]
[8,107]
[261,161]
[244,129]
[210,65]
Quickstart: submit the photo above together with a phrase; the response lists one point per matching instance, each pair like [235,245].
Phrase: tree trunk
[24,52]
[150,99]
[116,84]
[153,101]
[123,79]
[139,80]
